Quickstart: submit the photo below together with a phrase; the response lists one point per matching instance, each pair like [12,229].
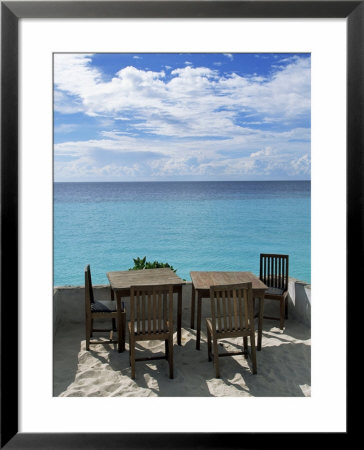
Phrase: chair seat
[274,291]
[106,306]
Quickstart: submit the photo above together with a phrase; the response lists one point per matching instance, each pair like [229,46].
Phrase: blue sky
[160,117]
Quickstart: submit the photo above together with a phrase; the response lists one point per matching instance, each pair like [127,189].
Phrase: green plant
[142,263]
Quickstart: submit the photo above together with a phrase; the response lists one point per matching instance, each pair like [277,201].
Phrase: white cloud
[229,55]
[74,74]
[193,116]
[191,93]
[268,151]
[66,104]
[251,155]
[65,128]
[302,165]
[87,168]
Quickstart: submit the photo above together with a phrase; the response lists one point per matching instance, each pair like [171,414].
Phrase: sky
[182,117]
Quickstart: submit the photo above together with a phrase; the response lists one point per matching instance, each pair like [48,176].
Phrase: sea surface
[218,225]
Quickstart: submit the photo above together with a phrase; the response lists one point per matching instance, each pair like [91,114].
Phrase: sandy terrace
[284,367]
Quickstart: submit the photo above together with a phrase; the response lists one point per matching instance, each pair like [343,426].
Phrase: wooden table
[121,281]
[201,282]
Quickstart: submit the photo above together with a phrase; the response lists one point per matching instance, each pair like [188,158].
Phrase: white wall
[69,303]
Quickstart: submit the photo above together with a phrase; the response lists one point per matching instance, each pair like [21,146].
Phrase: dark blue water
[190,225]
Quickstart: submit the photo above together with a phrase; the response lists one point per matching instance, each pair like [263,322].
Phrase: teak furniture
[121,282]
[201,283]
[151,318]
[102,309]
[274,273]
[232,316]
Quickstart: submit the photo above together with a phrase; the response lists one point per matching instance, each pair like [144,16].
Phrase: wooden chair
[232,316]
[151,318]
[102,309]
[274,273]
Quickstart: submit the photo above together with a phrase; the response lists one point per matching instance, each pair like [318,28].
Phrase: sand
[284,367]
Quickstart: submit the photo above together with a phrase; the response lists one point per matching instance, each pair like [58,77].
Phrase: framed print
[41,41]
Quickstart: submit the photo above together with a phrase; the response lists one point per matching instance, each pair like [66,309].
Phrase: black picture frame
[11,12]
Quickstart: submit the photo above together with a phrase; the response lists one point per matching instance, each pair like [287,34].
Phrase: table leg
[179,317]
[113,322]
[193,299]
[260,322]
[198,334]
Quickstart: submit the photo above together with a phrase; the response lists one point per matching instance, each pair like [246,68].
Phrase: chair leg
[121,332]
[113,322]
[88,332]
[216,356]
[166,347]
[132,355]
[198,333]
[129,350]
[245,341]
[286,308]
[253,353]
[123,317]
[193,301]
[170,355]
[282,314]
[208,344]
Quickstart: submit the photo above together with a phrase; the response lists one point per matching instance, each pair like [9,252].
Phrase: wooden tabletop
[203,280]
[123,279]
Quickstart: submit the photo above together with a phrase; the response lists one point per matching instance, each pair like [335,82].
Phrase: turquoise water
[190,225]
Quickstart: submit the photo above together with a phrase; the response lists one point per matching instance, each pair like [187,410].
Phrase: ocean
[217,225]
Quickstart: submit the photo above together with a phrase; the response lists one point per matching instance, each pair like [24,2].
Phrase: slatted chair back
[231,307]
[102,309]
[274,270]
[89,294]
[151,308]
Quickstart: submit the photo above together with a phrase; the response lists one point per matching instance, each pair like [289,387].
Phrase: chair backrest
[89,294]
[151,306]
[231,306]
[274,270]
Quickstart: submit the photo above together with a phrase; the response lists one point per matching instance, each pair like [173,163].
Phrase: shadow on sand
[283,366]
